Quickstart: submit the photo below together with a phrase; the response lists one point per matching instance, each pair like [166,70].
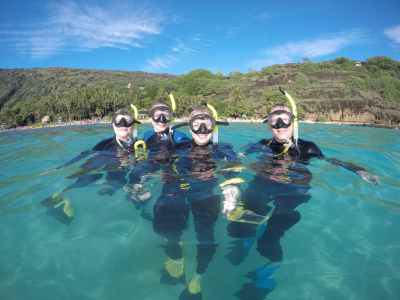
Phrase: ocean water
[345,246]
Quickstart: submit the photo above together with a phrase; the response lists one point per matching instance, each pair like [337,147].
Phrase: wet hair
[123,111]
[199,110]
[159,103]
[280,106]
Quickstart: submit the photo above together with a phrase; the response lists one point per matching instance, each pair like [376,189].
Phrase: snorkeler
[189,187]
[163,135]
[113,156]
[280,185]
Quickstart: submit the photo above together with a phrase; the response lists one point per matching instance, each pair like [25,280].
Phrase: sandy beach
[180,120]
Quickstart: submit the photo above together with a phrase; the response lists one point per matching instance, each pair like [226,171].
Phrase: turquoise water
[346,245]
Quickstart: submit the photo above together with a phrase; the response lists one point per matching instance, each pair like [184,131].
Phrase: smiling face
[159,127]
[280,121]
[201,126]
[160,117]
[123,125]
[123,133]
[201,139]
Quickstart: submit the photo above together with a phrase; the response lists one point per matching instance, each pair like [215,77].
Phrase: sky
[176,37]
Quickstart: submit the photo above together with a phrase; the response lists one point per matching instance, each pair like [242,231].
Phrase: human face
[123,127]
[201,128]
[201,139]
[281,125]
[160,118]
[202,123]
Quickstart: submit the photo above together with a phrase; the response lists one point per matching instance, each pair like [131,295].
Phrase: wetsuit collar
[126,145]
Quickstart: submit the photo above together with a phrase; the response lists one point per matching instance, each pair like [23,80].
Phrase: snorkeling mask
[202,124]
[121,120]
[279,119]
[161,114]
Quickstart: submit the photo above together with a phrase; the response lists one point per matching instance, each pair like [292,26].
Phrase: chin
[160,128]
[202,139]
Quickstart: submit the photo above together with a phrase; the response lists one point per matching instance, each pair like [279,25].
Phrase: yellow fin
[175,267]
[194,286]
[235,214]
[68,209]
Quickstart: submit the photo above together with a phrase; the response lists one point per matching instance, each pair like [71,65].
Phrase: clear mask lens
[123,121]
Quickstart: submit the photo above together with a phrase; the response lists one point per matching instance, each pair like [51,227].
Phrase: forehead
[280,108]
[118,116]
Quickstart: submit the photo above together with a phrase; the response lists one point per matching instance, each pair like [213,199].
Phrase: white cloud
[295,51]
[393,33]
[174,54]
[70,26]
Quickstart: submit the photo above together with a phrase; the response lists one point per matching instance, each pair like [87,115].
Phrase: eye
[196,124]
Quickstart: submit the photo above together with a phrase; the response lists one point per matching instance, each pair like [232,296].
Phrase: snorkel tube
[173,103]
[135,115]
[215,116]
[140,145]
[294,112]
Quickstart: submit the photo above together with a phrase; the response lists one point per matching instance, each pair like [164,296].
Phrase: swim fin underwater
[261,283]
[60,207]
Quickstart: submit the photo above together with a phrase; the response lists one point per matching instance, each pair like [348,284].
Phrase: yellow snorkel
[135,116]
[139,146]
[215,116]
[294,112]
[173,103]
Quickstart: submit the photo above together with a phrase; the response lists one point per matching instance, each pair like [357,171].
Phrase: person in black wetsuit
[162,137]
[189,188]
[280,185]
[113,156]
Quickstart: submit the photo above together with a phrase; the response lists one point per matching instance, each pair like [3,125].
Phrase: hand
[231,194]
[370,178]
[138,193]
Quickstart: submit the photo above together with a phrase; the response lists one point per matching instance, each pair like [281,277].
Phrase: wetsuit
[109,156]
[281,183]
[116,160]
[189,188]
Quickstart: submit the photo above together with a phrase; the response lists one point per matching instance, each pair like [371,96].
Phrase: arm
[360,171]
[314,151]
[252,148]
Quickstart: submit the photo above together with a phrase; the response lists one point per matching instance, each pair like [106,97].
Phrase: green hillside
[339,90]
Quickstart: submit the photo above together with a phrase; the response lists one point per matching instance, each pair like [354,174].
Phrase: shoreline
[179,120]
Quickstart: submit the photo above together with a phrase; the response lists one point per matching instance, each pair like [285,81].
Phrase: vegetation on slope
[339,90]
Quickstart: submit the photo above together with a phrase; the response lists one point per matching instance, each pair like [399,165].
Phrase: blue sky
[178,36]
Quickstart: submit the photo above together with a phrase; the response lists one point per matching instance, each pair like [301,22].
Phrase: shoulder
[257,146]
[225,151]
[309,148]
[179,137]
[104,144]
[148,134]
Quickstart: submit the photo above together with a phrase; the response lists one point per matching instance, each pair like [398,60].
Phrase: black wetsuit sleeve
[99,147]
[77,158]
[227,153]
[254,147]
[313,151]
[104,145]
[347,165]
[309,150]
